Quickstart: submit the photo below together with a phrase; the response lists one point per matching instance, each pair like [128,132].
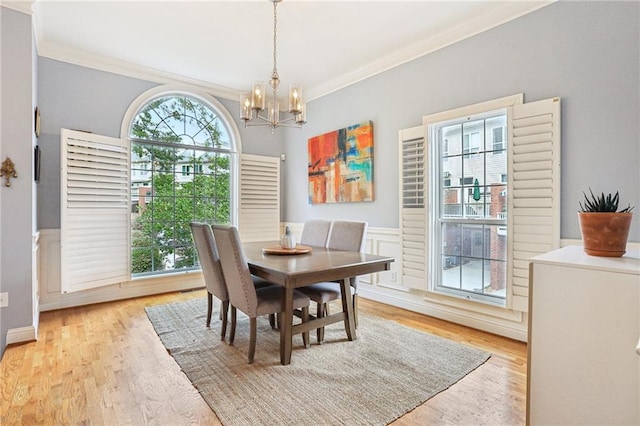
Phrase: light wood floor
[104,365]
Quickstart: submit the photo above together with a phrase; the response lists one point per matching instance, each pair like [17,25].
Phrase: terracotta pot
[605,234]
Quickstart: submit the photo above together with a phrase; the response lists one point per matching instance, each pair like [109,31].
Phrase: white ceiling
[226,45]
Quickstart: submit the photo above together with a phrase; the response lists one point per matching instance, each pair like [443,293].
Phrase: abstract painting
[341,165]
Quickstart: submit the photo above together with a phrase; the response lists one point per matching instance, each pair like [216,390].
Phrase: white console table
[584,325]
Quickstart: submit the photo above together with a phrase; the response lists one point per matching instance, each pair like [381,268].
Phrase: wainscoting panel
[385,287]
[52,298]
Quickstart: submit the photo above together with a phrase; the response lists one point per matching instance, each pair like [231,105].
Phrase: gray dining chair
[212,272]
[243,295]
[315,232]
[348,236]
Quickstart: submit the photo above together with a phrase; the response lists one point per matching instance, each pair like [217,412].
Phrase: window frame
[226,120]
[435,182]
[473,226]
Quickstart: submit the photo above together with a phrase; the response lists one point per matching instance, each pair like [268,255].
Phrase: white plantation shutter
[534,190]
[413,214]
[94,211]
[259,204]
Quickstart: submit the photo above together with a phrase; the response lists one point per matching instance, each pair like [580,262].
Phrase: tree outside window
[180,171]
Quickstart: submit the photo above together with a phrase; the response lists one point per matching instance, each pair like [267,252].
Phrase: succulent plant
[602,204]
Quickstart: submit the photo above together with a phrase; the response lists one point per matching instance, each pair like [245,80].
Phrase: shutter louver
[94,211]
[534,196]
[413,218]
[259,206]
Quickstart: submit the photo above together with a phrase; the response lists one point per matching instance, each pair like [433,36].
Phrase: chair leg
[320,312]
[272,321]
[355,309]
[305,318]
[252,339]
[232,333]
[224,310]
[209,308]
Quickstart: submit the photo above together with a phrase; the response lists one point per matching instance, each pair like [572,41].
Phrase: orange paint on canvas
[340,165]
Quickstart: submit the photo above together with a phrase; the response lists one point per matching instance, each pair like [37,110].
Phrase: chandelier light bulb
[253,103]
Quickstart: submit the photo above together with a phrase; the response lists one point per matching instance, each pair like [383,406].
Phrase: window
[497,134]
[447,243]
[470,254]
[181,156]
[470,142]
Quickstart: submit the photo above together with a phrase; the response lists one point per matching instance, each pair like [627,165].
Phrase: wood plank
[104,364]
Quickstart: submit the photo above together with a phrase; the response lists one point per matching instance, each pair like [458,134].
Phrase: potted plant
[604,229]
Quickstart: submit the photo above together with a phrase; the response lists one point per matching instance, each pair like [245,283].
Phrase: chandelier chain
[275,33]
[253,104]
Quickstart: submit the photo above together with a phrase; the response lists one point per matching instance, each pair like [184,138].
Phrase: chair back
[209,260]
[242,292]
[347,235]
[315,232]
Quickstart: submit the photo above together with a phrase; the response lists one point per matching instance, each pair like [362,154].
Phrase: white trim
[386,288]
[51,298]
[432,156]
[478,108]
[128,69]
[18,6]
[131,289]
[35,280]
[186,89]
[411,302]
[21,334]
[469,28]
[481,23]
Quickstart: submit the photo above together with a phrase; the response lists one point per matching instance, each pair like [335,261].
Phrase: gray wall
[16,142]
[75,97]
[587,53]
[78,98]
[584,52]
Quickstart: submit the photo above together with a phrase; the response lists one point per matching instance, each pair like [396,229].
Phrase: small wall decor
[8,170]
[341,165]
[36,122]
[36,163]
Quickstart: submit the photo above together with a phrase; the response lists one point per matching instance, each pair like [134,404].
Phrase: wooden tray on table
[300,249]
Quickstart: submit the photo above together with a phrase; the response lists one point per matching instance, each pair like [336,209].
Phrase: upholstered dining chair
[315,232]
[212,272]
[243,295]
[348,236]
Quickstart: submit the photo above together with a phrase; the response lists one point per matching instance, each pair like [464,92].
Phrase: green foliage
[602,203]
[181,133]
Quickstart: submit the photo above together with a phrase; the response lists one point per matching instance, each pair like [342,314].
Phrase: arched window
[182,155]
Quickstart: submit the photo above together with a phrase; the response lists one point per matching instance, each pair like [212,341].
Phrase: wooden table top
[321,264]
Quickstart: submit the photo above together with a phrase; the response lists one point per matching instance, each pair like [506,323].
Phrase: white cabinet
[584,325]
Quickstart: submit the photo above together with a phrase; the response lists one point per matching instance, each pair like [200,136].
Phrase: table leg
[347,308]
[286,324]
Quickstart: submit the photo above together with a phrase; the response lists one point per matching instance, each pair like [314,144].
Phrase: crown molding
[481,23]
[469,28]
[20,6]
[101,63]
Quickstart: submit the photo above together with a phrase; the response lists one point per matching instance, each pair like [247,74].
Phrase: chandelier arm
[254,103]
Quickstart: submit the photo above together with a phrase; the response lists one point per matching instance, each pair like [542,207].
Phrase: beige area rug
[389,370]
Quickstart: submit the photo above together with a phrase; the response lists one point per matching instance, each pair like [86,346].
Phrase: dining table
[294,269]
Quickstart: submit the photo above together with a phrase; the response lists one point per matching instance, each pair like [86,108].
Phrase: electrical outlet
[4,300]
[394,276]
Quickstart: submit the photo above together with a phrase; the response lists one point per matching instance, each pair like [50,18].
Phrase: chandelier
[252,105]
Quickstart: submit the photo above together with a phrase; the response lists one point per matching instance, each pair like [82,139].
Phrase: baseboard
[472,320]
[21,334]
[69,300]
